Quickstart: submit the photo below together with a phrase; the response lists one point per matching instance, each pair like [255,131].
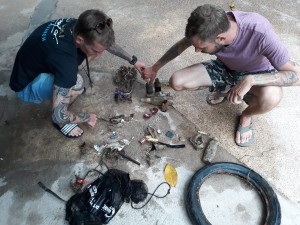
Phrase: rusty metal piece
[165,105]
[197,141]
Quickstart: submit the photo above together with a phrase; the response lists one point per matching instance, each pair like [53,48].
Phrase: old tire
[268,196]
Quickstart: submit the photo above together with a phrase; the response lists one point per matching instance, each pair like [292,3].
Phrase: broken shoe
[67,129]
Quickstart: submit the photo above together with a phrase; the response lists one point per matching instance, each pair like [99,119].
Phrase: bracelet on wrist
[133,60]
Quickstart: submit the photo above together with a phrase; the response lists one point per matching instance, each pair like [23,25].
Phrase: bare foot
[217,97]
[76,132]
[214,99]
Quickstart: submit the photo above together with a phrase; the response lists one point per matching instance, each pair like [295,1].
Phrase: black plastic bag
[101,200]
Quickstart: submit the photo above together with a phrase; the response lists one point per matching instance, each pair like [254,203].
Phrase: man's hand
[288,75]
[115,49]
[237,93]
[149,74]
[140,66]
[93,120]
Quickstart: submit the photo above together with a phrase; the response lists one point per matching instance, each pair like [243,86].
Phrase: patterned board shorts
[223,78]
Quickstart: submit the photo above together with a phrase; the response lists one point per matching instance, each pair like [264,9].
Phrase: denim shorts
[39,90]
[223,78]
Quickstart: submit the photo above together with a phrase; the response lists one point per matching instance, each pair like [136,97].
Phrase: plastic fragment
[170,135]
[171,176]
[147,115]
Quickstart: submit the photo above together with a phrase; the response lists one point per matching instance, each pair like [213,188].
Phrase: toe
[216,100]
[238,137]
[77,131]
[213,99]
[245,137]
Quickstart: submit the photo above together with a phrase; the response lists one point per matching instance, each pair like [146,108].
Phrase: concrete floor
[32,151]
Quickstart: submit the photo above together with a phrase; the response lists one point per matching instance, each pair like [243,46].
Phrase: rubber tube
[268,196]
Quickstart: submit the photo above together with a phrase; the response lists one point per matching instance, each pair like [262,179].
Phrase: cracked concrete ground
[31,150]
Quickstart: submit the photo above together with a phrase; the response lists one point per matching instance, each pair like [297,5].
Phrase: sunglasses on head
[101,25]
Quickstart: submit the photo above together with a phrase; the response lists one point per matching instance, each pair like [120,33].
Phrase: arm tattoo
[174,51]
[281,78]
[60,113]
[83,116]
[118,51]
[63,92]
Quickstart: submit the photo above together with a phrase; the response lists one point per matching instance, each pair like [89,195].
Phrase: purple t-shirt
[256,46]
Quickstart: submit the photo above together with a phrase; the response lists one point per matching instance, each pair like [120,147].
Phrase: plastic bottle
[156,100]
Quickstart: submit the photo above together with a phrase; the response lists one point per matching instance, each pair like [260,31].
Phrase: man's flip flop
[243,130]
[66,129]
[219,97]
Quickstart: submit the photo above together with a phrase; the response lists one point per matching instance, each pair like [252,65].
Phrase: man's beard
[218,47]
